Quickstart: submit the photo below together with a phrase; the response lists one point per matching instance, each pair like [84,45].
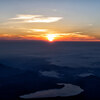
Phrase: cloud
[10,37]
[90,24]
[54,10]
[39,30]
[21,17]
[36,19]
[50,74]
[77,36]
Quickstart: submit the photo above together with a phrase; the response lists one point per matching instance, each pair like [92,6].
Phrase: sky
[59,20]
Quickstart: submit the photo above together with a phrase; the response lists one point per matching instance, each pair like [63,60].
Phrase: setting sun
[51,37]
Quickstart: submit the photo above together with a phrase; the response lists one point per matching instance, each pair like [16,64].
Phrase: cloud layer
[39,30]
[75,37]
[44,36]
[36,19]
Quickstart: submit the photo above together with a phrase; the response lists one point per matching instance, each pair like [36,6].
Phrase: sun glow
[51,37]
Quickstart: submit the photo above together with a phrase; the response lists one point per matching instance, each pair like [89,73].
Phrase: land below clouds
[27,67]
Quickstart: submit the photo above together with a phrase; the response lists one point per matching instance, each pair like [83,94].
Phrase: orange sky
[50,20]
[50,37]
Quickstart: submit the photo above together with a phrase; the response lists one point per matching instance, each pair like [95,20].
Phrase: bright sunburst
[51,37]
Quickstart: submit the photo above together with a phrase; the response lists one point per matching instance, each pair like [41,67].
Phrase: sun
[51,37]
